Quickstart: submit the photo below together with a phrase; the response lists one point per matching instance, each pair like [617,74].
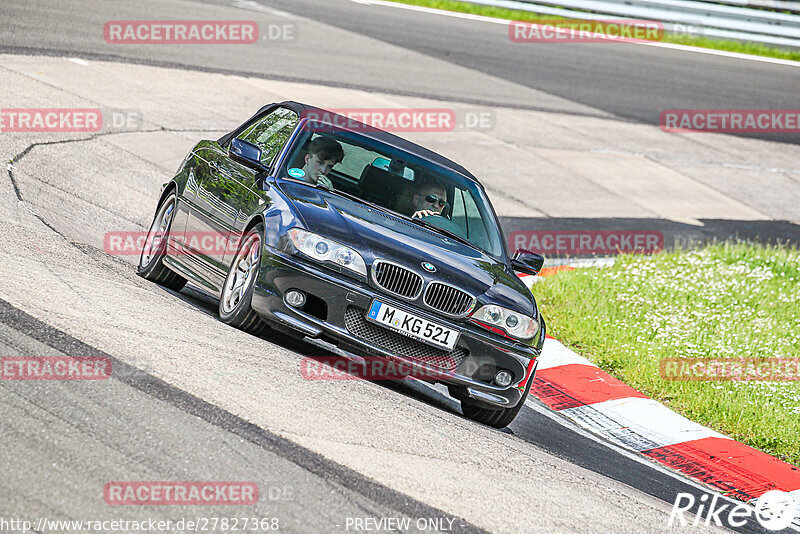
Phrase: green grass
[728,300]
[513,14]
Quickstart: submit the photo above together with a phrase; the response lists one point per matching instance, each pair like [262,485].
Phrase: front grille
[399,344]
[396,279]
[448,299]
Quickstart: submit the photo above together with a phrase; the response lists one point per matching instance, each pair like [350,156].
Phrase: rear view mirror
[527,262]
[246,154]
[395,167]
[381,163]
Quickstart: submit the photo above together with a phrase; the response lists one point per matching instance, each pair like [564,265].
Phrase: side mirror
[246,153]
[527,262]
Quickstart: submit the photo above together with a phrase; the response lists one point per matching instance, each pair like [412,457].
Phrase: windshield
[375,172]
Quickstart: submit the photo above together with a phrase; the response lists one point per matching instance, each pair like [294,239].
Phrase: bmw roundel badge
[428,267]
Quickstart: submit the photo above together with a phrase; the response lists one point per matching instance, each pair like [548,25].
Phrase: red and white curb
[577,389]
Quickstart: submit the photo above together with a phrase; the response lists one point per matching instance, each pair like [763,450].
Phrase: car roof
[304,110]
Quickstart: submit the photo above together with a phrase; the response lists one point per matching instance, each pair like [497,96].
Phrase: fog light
[503,378]
[295,298]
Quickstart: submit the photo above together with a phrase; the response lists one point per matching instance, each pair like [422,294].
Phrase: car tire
[495,417]
[237,291]
[151,261]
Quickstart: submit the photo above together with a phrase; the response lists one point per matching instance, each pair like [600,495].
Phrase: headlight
[513,323]
[324,250]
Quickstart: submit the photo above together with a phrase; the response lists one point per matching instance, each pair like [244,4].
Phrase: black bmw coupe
[357,238]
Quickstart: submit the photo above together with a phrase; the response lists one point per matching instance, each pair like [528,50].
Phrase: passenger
[428,199]
[323,154]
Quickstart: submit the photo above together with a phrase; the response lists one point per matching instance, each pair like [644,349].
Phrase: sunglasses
[433,199]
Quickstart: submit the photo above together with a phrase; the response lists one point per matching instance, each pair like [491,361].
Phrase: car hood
[379,235]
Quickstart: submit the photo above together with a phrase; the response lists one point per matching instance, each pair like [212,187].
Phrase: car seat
[380,186]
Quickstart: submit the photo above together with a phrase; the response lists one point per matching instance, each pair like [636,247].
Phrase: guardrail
[776,5]
[792,6]
[679,16]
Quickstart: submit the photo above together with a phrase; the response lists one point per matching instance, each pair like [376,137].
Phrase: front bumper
[334,313]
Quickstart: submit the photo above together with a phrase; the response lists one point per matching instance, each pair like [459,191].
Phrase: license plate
[412,326]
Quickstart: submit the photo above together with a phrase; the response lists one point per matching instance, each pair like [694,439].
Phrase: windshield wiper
[444,232]
[348,196]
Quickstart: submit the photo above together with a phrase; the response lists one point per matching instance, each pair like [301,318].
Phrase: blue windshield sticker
[296,173]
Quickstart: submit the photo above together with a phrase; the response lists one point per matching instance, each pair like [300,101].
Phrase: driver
[429,199]
[323,154]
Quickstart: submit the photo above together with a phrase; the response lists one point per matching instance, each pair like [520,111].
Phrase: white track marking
[559,419]
[568,423]
[796,496]
[255,6]
[492,20]
[639,423]
[555,354]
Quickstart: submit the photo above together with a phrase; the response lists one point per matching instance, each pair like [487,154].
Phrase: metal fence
[728,21]
[792,6]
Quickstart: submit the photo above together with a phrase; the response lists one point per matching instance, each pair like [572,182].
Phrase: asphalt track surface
[629,81]
[385,49]
[304,488]
[187,437]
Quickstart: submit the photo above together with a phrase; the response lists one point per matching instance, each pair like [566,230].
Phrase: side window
[271,132]
[476,226]
[458,214]
[468,217]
